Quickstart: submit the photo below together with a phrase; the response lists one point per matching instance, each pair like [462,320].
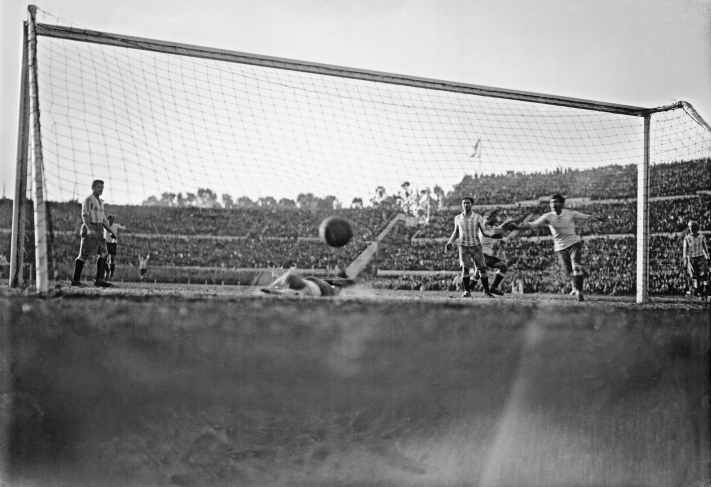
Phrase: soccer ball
[335,231]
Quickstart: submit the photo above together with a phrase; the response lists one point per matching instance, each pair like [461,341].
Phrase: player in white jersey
[492,261]
[466,230]
[567,244]
[143,265]
[92,243]
[292,284]
[111,245]
[696,256]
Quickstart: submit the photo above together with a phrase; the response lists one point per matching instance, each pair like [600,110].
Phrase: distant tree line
[412,201]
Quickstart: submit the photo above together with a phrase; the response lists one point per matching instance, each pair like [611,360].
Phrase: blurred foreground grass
[178,391]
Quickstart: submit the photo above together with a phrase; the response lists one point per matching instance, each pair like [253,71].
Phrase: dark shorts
[570,260]
[92,244]
[111,248]
[143,271]
[697,267]
[326,289]
[492,262]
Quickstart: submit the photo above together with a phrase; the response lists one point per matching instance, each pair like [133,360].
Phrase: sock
[497,280]
[106,270]
[100,266]
[112,268]
[485,283]
[465,283]
[78,267]
[579,282]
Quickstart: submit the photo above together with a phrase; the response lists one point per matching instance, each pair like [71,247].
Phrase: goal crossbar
[117,40]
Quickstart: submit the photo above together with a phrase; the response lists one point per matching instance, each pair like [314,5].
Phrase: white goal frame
[30,141]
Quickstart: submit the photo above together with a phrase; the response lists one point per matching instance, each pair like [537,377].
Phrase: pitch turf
[211,385]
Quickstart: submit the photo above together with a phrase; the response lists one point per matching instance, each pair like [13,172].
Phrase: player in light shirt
[487,246]
[567,244]
[696,256]
[466,231]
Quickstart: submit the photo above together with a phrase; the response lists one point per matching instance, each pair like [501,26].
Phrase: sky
[642,53]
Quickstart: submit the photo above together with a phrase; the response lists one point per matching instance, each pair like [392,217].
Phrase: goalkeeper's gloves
[509,226]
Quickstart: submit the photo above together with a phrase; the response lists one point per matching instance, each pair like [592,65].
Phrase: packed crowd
[278,237]
[239,222]
[615,181]
[210,252]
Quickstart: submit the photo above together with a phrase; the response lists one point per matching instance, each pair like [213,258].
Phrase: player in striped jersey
[567,244]
[696,256]
[487,246]
[466,230]
[92,242]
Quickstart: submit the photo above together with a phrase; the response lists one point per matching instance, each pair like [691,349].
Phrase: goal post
[156,117]
[642,292]
[38,193]
[19,207]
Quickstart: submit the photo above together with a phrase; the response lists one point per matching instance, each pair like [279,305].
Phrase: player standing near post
[567,244]
[487,247]
[111,244]
[466,226]
[696,256]
[94,221]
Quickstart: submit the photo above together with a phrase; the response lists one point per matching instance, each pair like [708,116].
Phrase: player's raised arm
[590,218]
[541,221]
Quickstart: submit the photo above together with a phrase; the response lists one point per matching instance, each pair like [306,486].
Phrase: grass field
[210,385]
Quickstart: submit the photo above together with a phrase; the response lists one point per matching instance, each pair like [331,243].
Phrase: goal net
[170,126]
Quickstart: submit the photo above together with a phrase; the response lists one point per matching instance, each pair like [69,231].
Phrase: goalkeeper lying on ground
[291,284]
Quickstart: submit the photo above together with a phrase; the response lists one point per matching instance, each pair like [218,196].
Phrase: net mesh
[154,123]
[172,130]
